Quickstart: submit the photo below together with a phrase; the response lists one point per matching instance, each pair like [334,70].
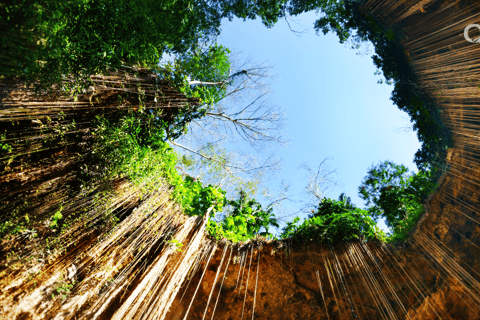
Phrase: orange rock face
[365,281]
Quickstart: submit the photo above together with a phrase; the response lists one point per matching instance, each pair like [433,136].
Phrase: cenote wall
[434,274]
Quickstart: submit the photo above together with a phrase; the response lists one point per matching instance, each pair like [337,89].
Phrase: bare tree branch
[320,181]
[244,114]
[220,168]
[290,27]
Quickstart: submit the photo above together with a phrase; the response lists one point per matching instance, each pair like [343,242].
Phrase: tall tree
[238,93]
[242,114]
[393,193]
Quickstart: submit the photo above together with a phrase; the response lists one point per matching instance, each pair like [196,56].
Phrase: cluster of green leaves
[176,244]
[57,216]
[334,221]
[4,146]
[244,221]
[16,222]
[197,199]
[44,40]
[63,288]
[210,64]
[268,11]
[396,195]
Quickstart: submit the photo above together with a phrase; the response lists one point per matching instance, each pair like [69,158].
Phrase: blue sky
[333,104]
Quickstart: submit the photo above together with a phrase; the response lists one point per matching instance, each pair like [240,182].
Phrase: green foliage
[16,221]
[396,195]
[122,148]
[57,216]
[334,221]
[196,199]
[44,40]
[336,19]
[244,221]
[4,146]
[268,11]
[133,148]
[176,244]
[289,230]
[63,288]
[211,64]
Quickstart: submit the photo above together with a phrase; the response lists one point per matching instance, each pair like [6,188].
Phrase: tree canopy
[395,194]
[48,39]
[334,221]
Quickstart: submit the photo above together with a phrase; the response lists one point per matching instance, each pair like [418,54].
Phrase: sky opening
[334,106]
